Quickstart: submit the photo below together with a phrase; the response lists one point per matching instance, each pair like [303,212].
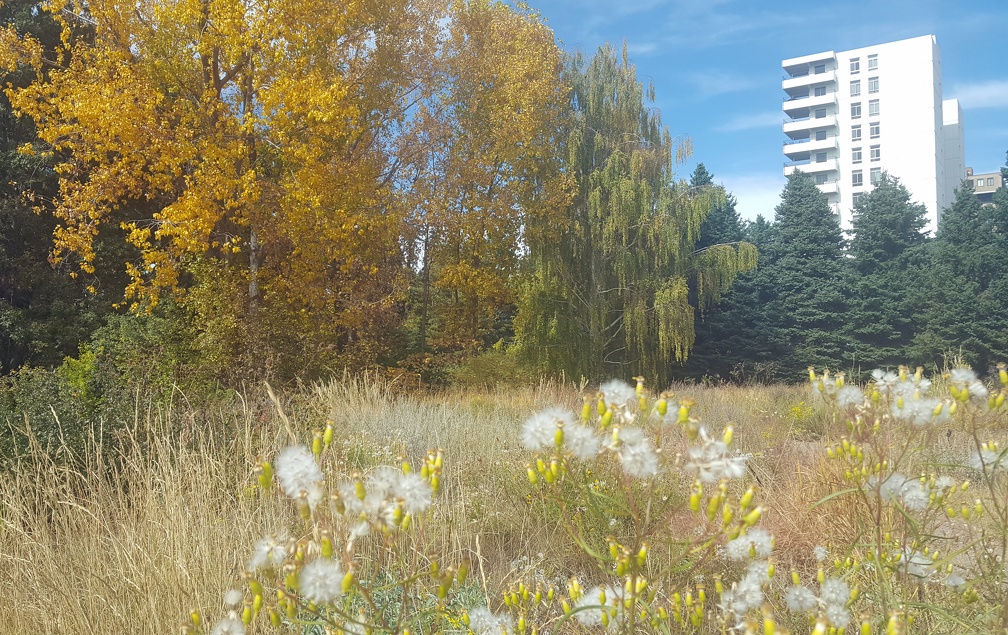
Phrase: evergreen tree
[807,280]
[732,336]
[886,250]
[964,294]
[611,295]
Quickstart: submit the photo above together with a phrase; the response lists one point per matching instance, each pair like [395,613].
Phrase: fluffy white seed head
[298,472]
[321,581]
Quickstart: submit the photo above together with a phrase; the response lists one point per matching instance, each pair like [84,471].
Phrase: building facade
[985,184]
[851,115]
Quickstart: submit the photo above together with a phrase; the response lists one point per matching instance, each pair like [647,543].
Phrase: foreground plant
[618,475]
[352,559]
[928,545]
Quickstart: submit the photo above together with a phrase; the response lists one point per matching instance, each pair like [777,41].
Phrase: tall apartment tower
[851,115]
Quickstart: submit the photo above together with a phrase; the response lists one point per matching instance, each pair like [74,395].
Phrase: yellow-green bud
[327,435]
[606,419]
[662,407]
[729,433]
[316,444]
[747,499]
[265,474]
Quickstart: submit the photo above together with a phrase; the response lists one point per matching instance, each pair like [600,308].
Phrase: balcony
[796,128]
[799,106]
[793,84]
[831,186]
[801,149]
[798,63]
[808,167]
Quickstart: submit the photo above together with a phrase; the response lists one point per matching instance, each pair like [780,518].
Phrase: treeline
[213,193]
[220,192]
[886,295]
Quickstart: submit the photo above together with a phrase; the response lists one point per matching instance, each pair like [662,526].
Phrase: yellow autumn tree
[245,150]
[489,168]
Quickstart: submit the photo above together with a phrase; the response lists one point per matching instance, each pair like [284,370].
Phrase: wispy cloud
[989,94]
[758,193]
[751,121]
[711,83]
[641,48]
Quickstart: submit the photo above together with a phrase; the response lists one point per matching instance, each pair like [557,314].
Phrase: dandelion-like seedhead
[755,543]
[618,394]
[635,453]
[230,625]
[582,442]
[268,553]
[598,601]
[321,581]
[990,458]
[800,599]
[539,430]
[482,621]
[298,473]
[712,461]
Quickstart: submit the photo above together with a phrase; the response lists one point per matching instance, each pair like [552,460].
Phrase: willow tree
[613,295]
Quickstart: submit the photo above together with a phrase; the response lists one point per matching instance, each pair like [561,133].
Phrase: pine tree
[886,250]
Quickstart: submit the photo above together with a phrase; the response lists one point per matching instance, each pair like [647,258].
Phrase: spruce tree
[886,251]
[733,338]
[963,296]
[808,280]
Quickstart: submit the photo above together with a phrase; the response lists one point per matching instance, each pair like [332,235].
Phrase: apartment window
[856,155]
[820,179]
[820,69]
[873,108]
[855,133]
[990,181]
[855,110]
[856,198]
[855,87]
[874,130]
[857,179]
[855,65]
[876,175]
[872,85]
[820,135]
[820,91]
[820,157]
[873,62]
[820,113]
[876,153]
[979,182]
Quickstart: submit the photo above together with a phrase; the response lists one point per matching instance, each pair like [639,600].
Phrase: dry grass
[130,540]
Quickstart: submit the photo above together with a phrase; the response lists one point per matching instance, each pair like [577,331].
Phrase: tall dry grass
[143,526]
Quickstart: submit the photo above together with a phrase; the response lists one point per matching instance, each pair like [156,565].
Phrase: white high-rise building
[849,115]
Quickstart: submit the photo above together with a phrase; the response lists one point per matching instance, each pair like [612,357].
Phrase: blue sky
[716,69]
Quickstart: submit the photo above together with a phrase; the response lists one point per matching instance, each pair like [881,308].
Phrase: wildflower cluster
[309,571]
[919,521]
[649,445]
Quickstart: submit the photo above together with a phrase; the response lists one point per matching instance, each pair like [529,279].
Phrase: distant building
[851,115]
[984,185]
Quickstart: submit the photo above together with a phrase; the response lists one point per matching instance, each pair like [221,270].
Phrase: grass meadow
[130,533]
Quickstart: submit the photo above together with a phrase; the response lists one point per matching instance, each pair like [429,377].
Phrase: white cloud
[758,193]
[989,94]
[770,119]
